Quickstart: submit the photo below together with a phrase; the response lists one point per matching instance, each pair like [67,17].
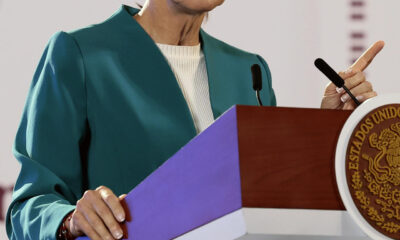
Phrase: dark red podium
[251,157]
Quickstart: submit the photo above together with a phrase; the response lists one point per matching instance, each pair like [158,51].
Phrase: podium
[250,161]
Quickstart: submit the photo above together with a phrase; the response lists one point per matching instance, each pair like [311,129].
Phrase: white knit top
[189,67]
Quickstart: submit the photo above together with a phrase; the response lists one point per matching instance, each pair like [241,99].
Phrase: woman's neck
[167,24]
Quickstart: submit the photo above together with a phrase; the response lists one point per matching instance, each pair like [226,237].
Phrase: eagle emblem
[385,166]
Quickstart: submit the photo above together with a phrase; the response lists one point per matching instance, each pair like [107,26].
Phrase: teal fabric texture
[104,108]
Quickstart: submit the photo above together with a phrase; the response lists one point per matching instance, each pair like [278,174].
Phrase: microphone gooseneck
[334,77]
[257,81]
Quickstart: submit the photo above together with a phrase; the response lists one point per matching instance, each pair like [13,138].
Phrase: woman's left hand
[355,81]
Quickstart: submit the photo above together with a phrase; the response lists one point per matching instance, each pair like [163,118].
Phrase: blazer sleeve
[49,142]
[268,97]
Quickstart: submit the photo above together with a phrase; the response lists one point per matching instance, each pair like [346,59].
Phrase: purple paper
[199,184]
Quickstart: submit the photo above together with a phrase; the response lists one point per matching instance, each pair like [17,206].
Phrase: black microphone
[257,81]
[334,77]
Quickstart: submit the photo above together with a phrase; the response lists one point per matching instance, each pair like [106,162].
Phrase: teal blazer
[104,108]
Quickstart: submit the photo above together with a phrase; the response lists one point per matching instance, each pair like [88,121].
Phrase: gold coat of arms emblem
[373,169]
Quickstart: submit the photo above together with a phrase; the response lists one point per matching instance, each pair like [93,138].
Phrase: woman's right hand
[98,215]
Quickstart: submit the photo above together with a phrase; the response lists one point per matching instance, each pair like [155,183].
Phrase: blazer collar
[216,63]
[213,54]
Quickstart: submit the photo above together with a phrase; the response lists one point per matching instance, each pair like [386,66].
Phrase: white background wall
[289,34]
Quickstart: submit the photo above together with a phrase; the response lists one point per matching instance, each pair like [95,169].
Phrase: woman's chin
[198,6]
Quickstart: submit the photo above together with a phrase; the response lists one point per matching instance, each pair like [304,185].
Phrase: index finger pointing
[367,57]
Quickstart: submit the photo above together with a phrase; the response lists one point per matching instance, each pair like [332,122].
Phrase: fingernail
[339,90]
[121,218]
[118,234]
[345,97]
[360,98]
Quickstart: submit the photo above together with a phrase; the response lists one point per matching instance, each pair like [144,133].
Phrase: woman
[111,102]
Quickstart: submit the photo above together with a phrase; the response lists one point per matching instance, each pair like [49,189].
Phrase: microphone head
[257,77]
[329,72]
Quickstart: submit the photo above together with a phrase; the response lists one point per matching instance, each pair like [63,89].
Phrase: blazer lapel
[158,75]
[218,74]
